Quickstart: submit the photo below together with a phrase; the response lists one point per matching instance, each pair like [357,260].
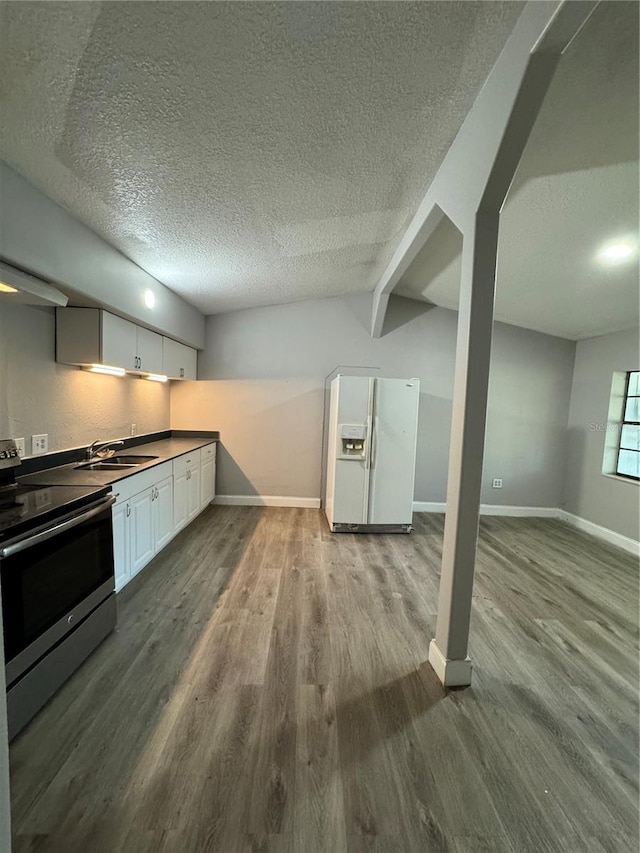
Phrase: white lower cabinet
[120,514]
[142,520]
[186,489]
[163,513]
[141,545]
[207,475]
[152,506]
[193,493]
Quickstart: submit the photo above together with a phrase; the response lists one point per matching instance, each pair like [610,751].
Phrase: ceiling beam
[481,163]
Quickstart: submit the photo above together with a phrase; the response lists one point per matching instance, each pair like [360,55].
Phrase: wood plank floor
[266,691]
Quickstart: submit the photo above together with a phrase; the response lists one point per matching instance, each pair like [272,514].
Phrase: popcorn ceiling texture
[243,153]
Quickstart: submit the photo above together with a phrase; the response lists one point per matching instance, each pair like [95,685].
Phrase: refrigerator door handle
[373,417]
[372,463]
[369,427]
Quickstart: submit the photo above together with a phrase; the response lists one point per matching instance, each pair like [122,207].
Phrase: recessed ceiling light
[6,288]
[149,298]
[616,252]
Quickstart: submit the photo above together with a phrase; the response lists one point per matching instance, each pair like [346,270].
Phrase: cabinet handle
[182,373]
[128,510]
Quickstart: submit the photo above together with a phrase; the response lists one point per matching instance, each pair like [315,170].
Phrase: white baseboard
[267,500]
[494,509]
[428,506]
[596,530]
[600,532]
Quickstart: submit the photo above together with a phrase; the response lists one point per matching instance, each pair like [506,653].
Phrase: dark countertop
[70,475]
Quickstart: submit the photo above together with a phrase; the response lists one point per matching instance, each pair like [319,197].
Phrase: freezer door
[393,450]
[348,478]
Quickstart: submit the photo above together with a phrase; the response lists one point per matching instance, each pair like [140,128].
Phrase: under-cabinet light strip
[106,368]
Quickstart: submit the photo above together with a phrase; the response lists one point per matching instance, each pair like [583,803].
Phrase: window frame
[624,423]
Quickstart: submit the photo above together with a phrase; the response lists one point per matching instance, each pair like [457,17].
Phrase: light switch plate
[39,443]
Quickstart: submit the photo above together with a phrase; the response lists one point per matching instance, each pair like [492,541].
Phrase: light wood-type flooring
[266,691]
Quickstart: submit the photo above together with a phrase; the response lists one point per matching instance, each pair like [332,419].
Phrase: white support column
[448,652]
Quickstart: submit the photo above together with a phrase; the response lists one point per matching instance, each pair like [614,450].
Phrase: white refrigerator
[371,454]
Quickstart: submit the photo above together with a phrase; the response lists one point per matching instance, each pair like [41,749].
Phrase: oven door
[51,580]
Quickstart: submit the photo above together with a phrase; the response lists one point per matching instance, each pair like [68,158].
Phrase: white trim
[267,500]
[452,673]
[622,479]
[494,509]
[600,532]
[519,511]
[428,506]
[604,533]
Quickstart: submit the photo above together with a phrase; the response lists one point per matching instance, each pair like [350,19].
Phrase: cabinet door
[190,363]
[121,544]
[149,351]
[193,492]
[178,361]
[207,480]
[163,513]
[119,342]
[141,530]
[179,501]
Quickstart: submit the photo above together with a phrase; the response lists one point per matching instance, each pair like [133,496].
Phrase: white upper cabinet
[118,342]
[92,336]
[178,361]
[149,351]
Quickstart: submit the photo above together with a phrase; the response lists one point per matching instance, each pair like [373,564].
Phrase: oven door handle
[56,530]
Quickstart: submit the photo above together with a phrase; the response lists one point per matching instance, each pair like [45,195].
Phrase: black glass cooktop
[25,507]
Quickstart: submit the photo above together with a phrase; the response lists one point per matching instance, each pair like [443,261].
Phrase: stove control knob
[71,619]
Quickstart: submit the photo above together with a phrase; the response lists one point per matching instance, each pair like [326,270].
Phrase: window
[629,446]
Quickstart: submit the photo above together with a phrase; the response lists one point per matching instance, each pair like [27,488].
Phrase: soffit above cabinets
[19,286]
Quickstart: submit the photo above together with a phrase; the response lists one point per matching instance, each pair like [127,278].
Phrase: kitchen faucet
[101,448]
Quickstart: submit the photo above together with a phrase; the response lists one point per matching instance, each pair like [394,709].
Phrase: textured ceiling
[243,153]
[576,190]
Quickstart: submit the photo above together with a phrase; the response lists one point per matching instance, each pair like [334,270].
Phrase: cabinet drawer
[208,451]
[186,461]
[139,482]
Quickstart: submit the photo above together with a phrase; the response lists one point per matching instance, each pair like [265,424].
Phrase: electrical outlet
[133,429]
[497,483]
[20,445]
[39,443]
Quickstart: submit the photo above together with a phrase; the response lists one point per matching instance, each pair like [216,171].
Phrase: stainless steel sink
[116,463]
[105,466]
[131,459]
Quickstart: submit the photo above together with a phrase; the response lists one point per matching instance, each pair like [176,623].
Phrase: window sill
[622,479]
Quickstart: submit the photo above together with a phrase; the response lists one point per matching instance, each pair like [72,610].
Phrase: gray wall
[267,369]
[73,406]
[608,501]
[41,237]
